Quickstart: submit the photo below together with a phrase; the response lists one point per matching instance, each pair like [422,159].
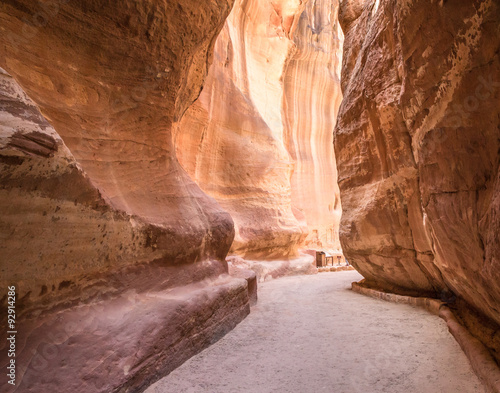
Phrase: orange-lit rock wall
[259,138]
[312,96]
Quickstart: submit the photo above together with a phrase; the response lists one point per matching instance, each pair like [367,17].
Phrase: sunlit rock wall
[417,145]
[259,138]
[312,96]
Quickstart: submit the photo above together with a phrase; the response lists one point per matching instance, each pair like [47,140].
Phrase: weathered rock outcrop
[116,254]
[417,146]
[259,137]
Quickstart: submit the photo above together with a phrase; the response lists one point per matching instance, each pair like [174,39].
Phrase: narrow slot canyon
[235,195]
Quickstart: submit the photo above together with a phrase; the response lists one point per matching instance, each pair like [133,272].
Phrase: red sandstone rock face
[115,252]
[114,104]
[417,145]
[55,224]
[259,137]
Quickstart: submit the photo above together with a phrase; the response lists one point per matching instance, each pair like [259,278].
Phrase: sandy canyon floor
[313,334]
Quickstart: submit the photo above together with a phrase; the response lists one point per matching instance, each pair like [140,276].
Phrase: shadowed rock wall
[417,146]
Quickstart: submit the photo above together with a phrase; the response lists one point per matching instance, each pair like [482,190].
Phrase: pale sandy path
[312,334]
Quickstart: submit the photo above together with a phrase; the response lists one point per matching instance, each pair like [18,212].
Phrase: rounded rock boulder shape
[111,79]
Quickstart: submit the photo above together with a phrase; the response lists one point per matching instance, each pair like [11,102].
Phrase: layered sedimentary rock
[417,145]
[259,138]
[55,224]
[117,256]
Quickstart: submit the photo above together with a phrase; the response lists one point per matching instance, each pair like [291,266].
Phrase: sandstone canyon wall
[312,97]
[417,145]
[259,138]
[116,254]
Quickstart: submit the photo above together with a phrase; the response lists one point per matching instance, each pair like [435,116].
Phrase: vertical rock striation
[258,139]
[417,145]
[231,140]
[312,96]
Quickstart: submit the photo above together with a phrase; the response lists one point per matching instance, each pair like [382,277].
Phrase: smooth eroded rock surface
[114,111]
[96,212]
[259,138]
[312,96]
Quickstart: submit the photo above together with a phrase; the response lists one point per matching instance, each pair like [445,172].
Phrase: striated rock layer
[312,96]
[417,145]
[116,254]
[259,137]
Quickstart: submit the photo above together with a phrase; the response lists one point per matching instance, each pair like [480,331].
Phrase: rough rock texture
[259,139]
[96,212]
[126,343]
[417,144]
[55,225]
